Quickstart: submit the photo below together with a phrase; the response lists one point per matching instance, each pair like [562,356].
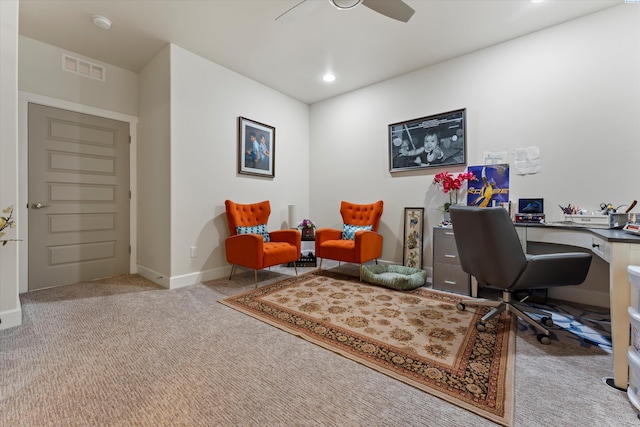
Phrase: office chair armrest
[549,270]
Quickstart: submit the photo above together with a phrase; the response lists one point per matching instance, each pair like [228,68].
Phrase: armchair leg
[320,268]
[233,267]
[361,272]
[255,277]
[295,267]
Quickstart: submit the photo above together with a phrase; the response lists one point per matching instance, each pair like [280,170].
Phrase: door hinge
[129,139]
[129,193]
[129,249]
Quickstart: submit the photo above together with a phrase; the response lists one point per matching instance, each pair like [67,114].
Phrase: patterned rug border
[505,347]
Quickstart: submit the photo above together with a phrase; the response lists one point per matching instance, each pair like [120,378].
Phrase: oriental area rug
[418,337]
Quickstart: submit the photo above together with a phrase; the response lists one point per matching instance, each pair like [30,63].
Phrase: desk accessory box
[612,220]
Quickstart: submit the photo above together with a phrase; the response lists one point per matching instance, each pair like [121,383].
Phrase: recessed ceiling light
[101,21]
[328,77]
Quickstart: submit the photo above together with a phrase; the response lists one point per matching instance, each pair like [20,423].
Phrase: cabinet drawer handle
[449,256]
[449,282]
[448,233]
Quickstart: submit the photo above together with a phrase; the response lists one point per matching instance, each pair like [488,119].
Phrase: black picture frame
[250,135]
[446,130]
[413,237]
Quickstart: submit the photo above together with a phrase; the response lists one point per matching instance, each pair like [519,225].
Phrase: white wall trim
[11,318]
[24,98]
[154,276]
[199,277]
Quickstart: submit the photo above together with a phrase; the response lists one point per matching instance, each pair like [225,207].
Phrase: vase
[447,216]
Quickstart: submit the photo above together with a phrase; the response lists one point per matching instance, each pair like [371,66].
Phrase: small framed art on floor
[413,237]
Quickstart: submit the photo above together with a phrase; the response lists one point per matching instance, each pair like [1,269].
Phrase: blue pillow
[349,231]
[260,229]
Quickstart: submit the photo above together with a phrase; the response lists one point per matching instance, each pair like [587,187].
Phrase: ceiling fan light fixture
[345,4]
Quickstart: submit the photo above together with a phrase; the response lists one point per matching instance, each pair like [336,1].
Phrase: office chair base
[511,307]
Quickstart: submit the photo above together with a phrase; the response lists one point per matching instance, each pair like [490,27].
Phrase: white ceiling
[359,45]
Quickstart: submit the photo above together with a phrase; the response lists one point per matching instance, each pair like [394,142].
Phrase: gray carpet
[125,352]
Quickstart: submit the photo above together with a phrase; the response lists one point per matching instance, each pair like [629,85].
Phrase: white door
[78,197]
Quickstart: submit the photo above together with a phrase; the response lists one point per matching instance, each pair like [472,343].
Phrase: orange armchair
[250,245]
[359,240]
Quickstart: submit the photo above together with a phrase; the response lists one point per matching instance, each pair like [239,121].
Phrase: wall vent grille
[83,67]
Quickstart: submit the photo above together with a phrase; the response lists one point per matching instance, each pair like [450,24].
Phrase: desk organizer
[614,220]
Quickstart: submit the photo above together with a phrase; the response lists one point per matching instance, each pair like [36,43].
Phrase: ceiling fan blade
[303,8]
[396,9]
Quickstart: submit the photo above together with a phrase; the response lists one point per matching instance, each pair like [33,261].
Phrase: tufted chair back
[362,214]
[246,215]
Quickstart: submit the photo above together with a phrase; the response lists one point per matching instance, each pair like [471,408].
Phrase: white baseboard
[11,318]
[176,282]
[154,276]
[199,277]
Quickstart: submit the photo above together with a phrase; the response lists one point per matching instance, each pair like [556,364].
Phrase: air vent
[83,67]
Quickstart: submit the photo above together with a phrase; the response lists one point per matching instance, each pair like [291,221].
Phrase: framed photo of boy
[256,148]
[413,232]
[428,142]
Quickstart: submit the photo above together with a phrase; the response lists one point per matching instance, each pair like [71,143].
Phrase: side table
[307,257]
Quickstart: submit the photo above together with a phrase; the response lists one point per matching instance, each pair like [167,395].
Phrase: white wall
[573,90]
[41,72]
[10,311]
[154,170]
[206,101]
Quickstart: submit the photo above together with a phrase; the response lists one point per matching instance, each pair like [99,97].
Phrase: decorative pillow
[255,229]
[349,231]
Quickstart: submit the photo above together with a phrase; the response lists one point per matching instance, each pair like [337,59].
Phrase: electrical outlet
[193,252]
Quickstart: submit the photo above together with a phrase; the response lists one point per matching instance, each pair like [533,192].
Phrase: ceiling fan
[395,9]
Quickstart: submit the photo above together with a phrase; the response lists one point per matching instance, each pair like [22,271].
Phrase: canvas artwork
[413,232]
[428,142]
[491,188]
[256,148]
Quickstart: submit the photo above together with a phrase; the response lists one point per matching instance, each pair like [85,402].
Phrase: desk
[619,249]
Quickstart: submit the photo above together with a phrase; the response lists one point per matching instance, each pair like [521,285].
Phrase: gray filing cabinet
[447,273]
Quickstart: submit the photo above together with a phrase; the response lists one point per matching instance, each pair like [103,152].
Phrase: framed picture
[256,148]
[428,142]
[491,188]
[413,232]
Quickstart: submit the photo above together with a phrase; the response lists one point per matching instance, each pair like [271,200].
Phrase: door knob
[39,206]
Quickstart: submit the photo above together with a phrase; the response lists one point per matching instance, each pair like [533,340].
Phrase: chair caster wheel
[544,339]
[547,321]
[480,327]
[460,306]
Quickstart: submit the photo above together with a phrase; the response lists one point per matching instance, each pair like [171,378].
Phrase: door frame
[24,98]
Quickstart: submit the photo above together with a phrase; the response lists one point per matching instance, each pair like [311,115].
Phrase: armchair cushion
[349,230]
[260,229]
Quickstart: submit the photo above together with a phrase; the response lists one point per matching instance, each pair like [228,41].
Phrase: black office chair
[490,250]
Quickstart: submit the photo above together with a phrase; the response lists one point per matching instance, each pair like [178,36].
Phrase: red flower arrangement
[451,185]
